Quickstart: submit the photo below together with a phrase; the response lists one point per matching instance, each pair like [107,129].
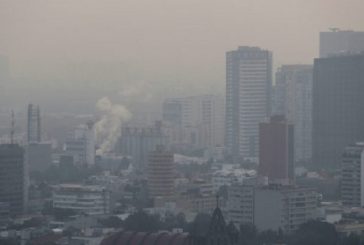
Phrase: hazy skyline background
[159,45]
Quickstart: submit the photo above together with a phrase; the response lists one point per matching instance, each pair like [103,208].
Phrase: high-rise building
[13,178]
[338,105]
[337,41]
[352,176]
[196,121]
[292,97]
[81,145]
[276,150]
[34,124]
[161,173]
[248,89]
[138,142]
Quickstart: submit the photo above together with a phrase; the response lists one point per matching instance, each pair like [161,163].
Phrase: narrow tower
[34,127]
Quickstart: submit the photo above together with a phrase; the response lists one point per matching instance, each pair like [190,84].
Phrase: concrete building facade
[91,200]
[352,176]
[240,205]
[284,208]
[272,207]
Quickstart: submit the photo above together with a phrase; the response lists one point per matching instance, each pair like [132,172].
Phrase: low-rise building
[91,200]
[272,207]
[240,205]
[229,175]
[81,145]
[352,176]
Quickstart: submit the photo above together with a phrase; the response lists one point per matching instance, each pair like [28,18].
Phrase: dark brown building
[276,154]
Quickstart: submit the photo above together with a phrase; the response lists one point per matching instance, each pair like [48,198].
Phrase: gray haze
[150,44]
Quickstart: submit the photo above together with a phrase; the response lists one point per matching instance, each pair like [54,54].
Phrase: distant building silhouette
[161,174]
[34,124]
[138,142]
[339,42]
[338,105]
[293,98]
[13,178]
[38,156]
[276,150]
[248,100]
[195,122]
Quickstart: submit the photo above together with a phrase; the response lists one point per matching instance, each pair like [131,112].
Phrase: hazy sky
[177,40]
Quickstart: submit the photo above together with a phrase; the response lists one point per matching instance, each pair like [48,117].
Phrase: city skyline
[232,122]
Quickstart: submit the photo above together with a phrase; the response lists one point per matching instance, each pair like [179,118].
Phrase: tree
[142,222]
[200,225]
[62,213]
[111,221]
[352,239]
[172,221]
[269,236]
[315,233]
[248,234]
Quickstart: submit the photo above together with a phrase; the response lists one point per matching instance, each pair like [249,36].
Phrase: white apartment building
[240,205]
[229,175]
[248,89]
[272,207]
[81,145]
[91,200]
[352,176]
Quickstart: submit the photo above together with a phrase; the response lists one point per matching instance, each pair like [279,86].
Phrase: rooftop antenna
[12,127]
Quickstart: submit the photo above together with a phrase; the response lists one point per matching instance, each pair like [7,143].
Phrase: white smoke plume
[108,128]
[141,90]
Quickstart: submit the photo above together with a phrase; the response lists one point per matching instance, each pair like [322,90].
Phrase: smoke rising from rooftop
[108,128]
